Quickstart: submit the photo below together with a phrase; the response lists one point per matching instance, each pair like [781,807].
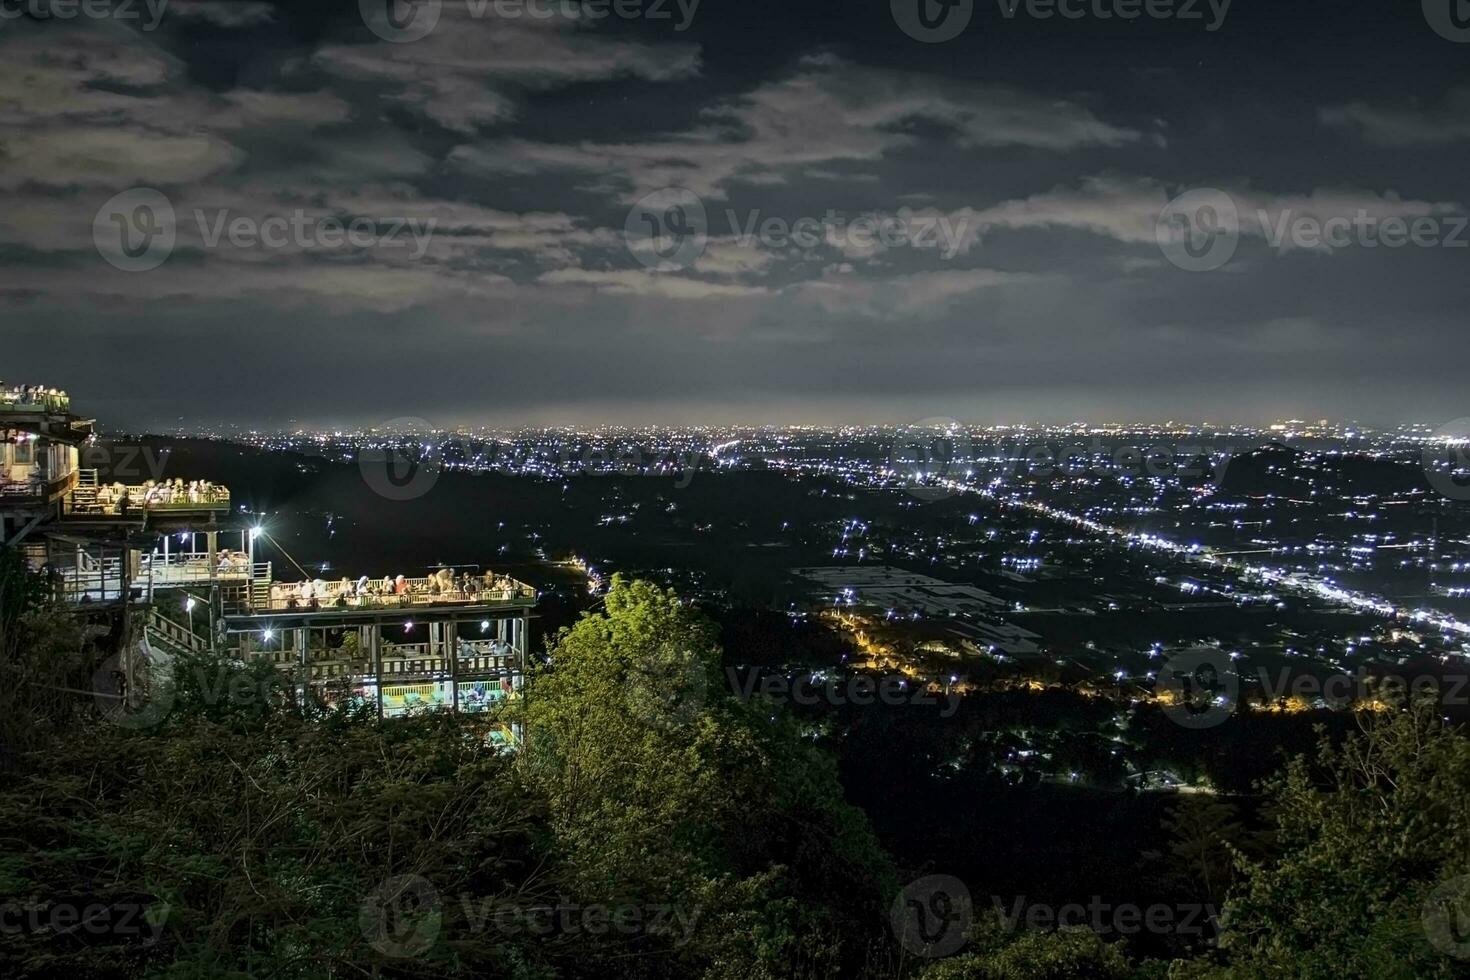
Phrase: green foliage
[254,848]
[42,661]
[1365,832]
[658,780]
[1066,954]
[1204,833]
[252,834]
[242,833]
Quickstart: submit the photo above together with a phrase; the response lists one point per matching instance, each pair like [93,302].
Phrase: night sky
[1045,147]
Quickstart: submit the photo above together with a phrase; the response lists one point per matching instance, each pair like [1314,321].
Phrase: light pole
[189,605]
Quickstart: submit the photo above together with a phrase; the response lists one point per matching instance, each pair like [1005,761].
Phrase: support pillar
[376,646]
[451,635]
[303,660]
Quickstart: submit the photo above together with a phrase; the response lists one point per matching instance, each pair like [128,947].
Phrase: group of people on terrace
[51,399]
[115,498]
[442,586]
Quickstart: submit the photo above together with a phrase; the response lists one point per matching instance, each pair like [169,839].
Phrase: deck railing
[13,400]
[175,634]
[106,499]
[193,566]
[37,489]
[86,578]
[292,597]
[404,660]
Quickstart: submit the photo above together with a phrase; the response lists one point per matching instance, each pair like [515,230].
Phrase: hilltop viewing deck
[385,595]
[34,399]
[120,500]
[250,589]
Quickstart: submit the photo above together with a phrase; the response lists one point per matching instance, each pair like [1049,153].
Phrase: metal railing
[174,634]
[85,578]
[192,566]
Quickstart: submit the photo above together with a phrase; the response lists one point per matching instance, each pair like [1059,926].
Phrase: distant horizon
[294,428]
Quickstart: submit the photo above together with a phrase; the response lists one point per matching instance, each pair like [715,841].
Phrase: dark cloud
[489,169]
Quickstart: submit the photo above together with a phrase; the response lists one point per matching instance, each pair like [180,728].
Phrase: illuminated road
[1281,579]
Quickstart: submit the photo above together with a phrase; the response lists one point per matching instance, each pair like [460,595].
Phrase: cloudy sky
[514,211]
